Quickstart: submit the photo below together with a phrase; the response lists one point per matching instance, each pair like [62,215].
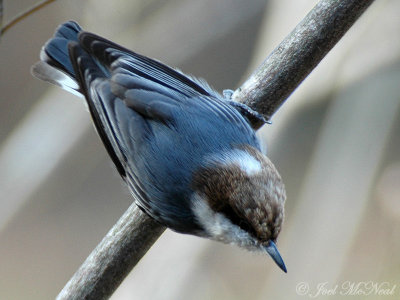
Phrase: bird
[189,155]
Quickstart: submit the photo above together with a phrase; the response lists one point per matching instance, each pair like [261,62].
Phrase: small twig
[298,54]
[265,91]
[1,14]
[22,15]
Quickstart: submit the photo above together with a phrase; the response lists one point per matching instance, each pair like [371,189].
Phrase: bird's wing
[128,94]
[154,76]
[137,102]
[108,52]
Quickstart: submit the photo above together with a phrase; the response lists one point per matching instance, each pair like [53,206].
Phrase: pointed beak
[274,253]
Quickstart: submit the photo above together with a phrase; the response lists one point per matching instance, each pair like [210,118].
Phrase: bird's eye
[228,212]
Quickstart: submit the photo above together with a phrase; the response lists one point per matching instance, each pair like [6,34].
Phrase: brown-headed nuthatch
[189,155]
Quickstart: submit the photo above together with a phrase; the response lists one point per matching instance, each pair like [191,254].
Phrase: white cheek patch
[220,228]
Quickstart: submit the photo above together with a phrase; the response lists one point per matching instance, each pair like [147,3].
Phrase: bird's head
[239,199]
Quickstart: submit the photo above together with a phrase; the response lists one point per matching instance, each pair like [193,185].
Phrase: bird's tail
[55,64]
[65,62]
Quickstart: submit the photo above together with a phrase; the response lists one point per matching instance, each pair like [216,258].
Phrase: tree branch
[265,91]
[298,54]
[111,261]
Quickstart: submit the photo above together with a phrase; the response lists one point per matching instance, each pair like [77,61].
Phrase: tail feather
[64,62]
[55,51]
[68,31]
[55,65]
[54,76]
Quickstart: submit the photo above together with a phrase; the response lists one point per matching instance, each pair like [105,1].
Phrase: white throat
[220,228]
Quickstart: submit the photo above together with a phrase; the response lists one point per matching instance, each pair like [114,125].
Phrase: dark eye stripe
[228,212]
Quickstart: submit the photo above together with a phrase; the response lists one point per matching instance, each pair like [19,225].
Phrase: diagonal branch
[265,91]
[298,54]
[119,251]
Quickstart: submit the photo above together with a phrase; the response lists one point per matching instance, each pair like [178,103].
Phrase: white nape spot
[247,162]
[220,228]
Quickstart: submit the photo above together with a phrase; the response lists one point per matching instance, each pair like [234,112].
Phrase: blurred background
[335,141]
